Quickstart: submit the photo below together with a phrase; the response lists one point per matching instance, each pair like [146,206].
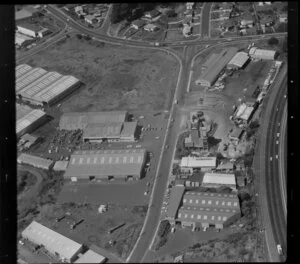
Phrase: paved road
[270,203]
[273,173]
[205,20]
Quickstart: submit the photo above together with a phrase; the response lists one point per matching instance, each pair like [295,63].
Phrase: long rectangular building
[39,87]
[208,209]
[175,200]
[28,119]
[238,60]
[262,54]
[106,164]
[56,244]
[35,161]
[216,180]
[204,163]
[211,74]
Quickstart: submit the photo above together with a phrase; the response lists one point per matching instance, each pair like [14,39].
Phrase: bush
[164,228]
[273,41]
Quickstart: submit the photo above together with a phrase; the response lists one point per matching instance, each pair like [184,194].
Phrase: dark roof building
[205,209]
[175,200]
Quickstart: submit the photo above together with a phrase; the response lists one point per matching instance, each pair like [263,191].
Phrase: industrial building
[60,165]
[210,75]
[193,140]
[39,87]
[31,30]
[238,60]
[28,119]
[61,247]
[244,112]
[35,161]
[216,180]
[188,164]
[99,126]
[20,39]
[106,164]
[90,256]
[208,210]
[227,166]
[175,199]
[262,54]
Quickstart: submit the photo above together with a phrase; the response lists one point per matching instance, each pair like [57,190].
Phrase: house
[187,30]
[247,20]
[136,24]
[267,21]
[90,19]
[152,15]
[150,27]
[283,18]
[189,5]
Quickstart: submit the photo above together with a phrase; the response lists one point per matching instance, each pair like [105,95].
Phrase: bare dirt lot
[116,78]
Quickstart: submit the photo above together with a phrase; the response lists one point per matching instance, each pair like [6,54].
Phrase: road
[269,189]
[153,214]
[205,20]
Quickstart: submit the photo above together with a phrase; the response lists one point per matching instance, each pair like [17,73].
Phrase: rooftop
[129,129]
[90,257]
[29,119]
[175,199]
[22,14]
[139,22]
[34,160]
[198,162]
[239,59]
[43,235]
[226,166]
[106,162]
[219,178]
[60,165]
[102,130]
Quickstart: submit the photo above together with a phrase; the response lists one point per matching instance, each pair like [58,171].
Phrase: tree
[171,13]
[273,41]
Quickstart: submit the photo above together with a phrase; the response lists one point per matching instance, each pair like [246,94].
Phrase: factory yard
[115,77]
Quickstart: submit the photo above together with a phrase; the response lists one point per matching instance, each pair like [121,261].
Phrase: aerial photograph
[151,132]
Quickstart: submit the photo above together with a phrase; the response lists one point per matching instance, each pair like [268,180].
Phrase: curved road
[153,214]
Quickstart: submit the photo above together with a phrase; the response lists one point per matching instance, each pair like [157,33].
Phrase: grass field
[115,77]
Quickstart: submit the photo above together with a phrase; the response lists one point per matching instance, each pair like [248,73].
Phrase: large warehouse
[28,119]
[98,126]
[175,200]
[208,209]
[216,65]
[58,245]
[106,164]
[40,87]
[262,54]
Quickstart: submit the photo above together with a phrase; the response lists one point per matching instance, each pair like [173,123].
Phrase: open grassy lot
[115,77]
[95,226]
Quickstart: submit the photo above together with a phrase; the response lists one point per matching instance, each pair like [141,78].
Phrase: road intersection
[186,63]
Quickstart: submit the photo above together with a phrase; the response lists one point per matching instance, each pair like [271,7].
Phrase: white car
[271,158]
[277,142]
[278,134]
[21,242]
[276,156]
[279,249]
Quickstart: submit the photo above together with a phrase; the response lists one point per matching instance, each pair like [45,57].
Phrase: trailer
[115,228]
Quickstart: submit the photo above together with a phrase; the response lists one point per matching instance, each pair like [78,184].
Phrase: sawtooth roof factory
[99,126]
[28,119]
[198,209]
[39,87]
[215,66]
[106,164]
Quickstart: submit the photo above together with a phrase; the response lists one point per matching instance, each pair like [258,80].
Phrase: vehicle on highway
[277,142]
[279,249]
[276,156]
[173,230]
[271,158]
[278,134]
[146,192]
[167,146]
[157,137]
[176,101]
[285,96]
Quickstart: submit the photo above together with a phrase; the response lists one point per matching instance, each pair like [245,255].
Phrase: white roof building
[262,53]
[20,38]
[198,162]
[219,179]
[90,257]
[244,112]
[239,60]
[35,161]
[54,242]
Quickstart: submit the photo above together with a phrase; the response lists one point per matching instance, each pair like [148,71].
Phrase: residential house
[136,24]
[150,27]
[152,15]
[90,19]
[283,18]
[247,21]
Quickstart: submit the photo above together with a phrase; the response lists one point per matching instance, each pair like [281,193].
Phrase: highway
[153,214]
[271,206]
[205,20]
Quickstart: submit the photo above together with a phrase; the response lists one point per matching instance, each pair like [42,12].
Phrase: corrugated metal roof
[22,68]
[104,163]
[60,165]
[29,119]
[208,207]
[22,110]
[90,257]
[29,77]
[100,130]
[175,199]
[226,166]
[239,59]
[261,52]
[198,162]
[39,84]
[211,73]
[34,161]
[129,129]
[219,178]
[53,241]
[79,120]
